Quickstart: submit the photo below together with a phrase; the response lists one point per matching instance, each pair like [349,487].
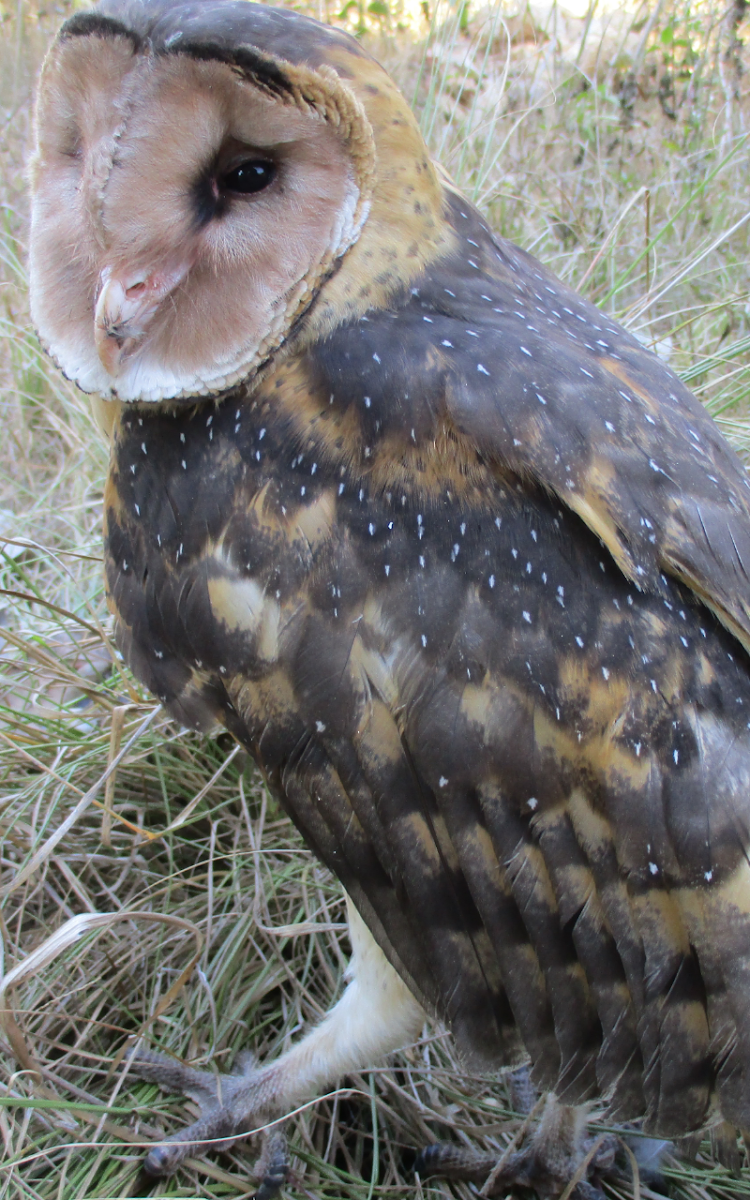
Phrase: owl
[461,564]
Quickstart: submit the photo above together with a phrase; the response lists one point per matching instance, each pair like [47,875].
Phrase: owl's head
[201,170]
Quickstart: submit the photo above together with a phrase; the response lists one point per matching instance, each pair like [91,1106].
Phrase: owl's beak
[124,307]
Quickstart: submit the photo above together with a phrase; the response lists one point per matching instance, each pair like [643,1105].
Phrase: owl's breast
[209,549]
[262,581]
[252,561]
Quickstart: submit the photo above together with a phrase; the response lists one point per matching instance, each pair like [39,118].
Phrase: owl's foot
[375,1015]
[553,1154]
[232,1106]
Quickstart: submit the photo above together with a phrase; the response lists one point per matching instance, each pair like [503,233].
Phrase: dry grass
[620,159]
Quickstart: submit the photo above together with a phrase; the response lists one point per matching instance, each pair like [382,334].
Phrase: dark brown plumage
[464,567]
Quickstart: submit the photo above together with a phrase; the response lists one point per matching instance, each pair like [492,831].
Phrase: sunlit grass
[631,188]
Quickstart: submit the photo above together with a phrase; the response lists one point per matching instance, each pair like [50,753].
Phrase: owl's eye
[249,177]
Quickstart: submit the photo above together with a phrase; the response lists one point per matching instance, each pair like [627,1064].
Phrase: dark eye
[249,177]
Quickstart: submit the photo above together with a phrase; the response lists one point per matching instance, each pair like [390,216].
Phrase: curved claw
[273,1165]
[219,1125]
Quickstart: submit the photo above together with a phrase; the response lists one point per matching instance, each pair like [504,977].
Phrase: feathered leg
[375,1016]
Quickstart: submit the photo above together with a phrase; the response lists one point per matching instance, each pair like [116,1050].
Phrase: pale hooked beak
[124,307]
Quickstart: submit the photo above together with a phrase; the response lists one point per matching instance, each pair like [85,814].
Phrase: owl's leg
[552,1150]
[376,1015]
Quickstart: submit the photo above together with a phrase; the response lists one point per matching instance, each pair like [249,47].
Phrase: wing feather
[572,401]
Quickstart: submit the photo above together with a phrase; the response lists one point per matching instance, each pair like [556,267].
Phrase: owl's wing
[565,396]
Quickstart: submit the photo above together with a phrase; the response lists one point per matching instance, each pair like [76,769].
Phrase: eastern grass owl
[460,563]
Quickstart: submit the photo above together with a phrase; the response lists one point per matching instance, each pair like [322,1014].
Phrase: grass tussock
[615,147]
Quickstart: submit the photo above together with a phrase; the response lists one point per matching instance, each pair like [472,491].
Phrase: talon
[273,1165]
[157,1163]
[429,1159]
